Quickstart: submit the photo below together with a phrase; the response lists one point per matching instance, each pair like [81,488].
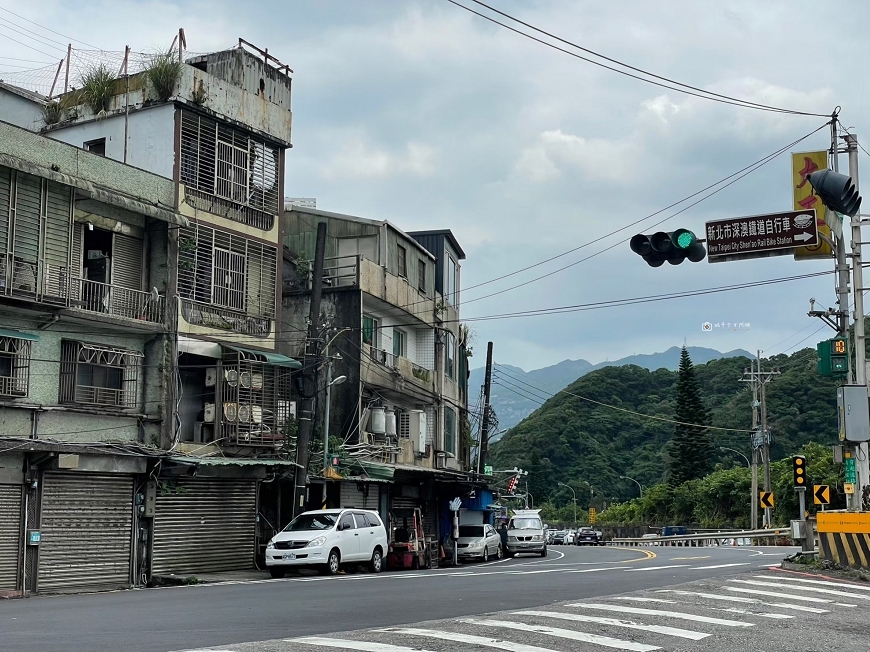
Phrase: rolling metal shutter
[127,262]
[204,525]
[10,535]
[86,525]
[402,502]
[430,519]
[351,496]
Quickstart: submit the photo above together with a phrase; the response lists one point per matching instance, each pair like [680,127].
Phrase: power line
[48,29]
[27,45]
[44,40]
[680,88]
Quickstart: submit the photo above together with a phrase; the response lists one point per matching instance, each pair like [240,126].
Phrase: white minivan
[327,539]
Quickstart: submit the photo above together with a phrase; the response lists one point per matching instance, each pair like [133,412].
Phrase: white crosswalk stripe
[653,568]
[582,637]
[616,622]
[734,610]
[813,589]
[634,599]
[801,580]
[345,644]
[466,638]
[734,598]
[775,594]
[745,563]
[660,612]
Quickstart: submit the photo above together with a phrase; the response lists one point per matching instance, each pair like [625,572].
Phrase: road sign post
[455,504]
[760,236]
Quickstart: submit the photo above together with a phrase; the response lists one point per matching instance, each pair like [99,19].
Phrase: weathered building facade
[143,399]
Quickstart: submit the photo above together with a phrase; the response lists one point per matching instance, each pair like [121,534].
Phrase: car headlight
[480,542]
[538,537]
[319,541]
[270,545]
[510,538]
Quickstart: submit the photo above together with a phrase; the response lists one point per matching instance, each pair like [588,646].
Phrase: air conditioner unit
[256,414]
[210,377]
[417,429]
[231,411]
[232,377]
[208,413]
[257,382]
[244,413]
[440,461]
[245,379]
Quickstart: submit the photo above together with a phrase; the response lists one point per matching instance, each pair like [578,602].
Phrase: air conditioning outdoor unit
[245,379]
[208,413]
[417,429]
[211,377]
[232,377]
[231,411]
[257,382]
[244,413]
[256,414]
[440,460]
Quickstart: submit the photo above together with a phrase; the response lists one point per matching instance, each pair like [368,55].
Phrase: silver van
[525,533]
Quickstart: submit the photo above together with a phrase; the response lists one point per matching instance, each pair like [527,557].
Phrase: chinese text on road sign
[744,236]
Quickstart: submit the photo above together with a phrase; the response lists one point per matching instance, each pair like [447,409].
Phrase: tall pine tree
[691,449]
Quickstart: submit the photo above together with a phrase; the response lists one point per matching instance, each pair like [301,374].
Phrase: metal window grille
[403,262]
[227,172]
[99,375]
[421,276]
[225,270]
[14,366]
[449,430]
[403,421]
[399,346]
[450,356]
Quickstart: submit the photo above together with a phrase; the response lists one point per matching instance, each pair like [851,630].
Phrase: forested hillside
[572,439]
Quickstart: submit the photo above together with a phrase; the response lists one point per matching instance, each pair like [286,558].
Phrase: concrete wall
[150,138]
[19,111]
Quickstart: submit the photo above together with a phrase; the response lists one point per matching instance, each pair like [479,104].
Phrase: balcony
[385,367]
[53,284]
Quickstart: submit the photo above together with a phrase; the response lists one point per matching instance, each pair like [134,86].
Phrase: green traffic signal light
[684,239]
[673,247]
[833,357]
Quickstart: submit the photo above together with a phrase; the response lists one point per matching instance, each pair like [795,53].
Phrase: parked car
[588,537]
[559,537]
[327,539]
[476,542]
[569,537]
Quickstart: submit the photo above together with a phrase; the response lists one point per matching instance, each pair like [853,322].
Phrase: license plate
[290,556]
[525,545]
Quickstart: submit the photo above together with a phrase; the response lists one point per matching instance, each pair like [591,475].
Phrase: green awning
[269,357]
[229,461]
[20,335]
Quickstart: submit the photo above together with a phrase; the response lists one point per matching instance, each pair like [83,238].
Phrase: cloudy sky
[423,114]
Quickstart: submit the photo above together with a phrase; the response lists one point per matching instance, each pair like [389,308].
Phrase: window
[99,375]
[371,331]
[228,287]
[400,340]
[227,172]
[403,262]
[97,146]
[449,430]
[450,356]
[421,276]
[14,366]
[452,279]
[346,522]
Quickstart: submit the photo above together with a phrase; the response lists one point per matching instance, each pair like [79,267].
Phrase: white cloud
[358,159]
[556,152]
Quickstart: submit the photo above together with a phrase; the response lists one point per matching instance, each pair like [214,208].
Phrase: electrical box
[798,530]
[853,413]
[150,499]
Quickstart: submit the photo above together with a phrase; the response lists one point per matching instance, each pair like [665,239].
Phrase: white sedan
[477,542]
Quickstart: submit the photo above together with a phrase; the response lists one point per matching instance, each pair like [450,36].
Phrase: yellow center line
[649,554]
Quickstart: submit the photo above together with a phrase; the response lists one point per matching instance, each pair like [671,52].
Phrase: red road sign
[761,235]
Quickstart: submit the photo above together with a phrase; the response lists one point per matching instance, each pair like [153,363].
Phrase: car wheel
[333,563]
[499,553]
[485,554]
[544,552]
[277,571]
[377,562]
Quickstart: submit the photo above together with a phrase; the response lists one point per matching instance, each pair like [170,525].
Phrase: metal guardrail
[695,539]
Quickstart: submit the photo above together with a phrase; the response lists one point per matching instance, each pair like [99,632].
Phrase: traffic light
[836,191]
[672,246]
[512,484]
[833,357]
[799,469]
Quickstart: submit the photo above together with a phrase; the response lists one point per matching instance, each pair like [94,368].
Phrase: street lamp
[639,486]
[725,448]
[575,499]
[591,491]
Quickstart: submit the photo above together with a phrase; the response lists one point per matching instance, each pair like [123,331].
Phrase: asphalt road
[188,617]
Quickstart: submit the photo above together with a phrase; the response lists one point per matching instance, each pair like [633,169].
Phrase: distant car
[477,542]
[588,537]
[559,537]
[569,538]
[327,539]
[651,536]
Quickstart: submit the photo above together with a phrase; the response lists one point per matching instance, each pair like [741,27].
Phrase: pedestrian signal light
[833,357]
[799,469]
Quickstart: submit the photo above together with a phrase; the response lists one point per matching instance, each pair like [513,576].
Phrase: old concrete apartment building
[143,397]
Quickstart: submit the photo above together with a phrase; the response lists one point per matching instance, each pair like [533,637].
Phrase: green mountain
[614,421]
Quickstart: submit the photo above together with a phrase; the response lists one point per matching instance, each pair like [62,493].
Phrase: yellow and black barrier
[844,538]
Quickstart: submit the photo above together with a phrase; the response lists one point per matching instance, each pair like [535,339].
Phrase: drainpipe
[51,322]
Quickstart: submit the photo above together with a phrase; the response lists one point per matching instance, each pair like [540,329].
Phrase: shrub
[164,72]
[98,87]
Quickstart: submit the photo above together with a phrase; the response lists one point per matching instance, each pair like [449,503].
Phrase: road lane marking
[663,613]
[542,561]
[632,599]
[781,577]
[570,634]
[842,594]
[593,570]
[466,638]
[734,598]
[754,613]
[648,554]
[774,594]
[840,604]
[683,558]
[652,568]
[745,563]
[616,622]
[346,644]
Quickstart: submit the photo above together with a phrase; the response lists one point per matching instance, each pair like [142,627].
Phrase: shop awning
[229,461]
[19,335]
[199,347]
[269,357]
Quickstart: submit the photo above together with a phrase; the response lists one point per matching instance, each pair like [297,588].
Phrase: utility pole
[309,377]
[766,434]
[749,377]
[862,464]
[761,434]
[483,446]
